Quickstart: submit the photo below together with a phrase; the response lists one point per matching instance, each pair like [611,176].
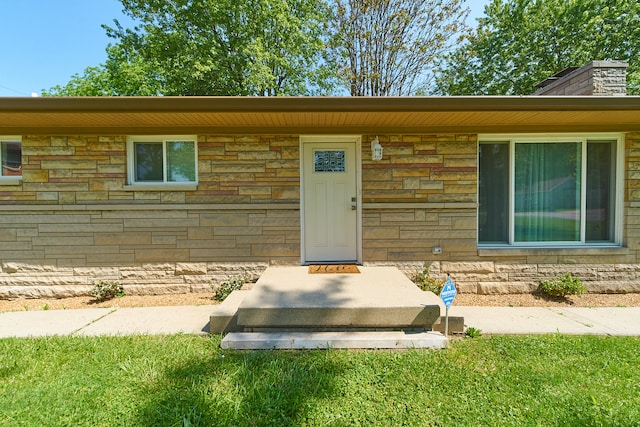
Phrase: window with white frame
[545,190]
[11,156]
[162,159]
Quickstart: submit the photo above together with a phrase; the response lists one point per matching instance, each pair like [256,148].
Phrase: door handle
[354,204]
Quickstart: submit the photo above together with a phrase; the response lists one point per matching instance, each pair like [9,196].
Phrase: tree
[121,75]
[388,47]
[212,47]
[519,43]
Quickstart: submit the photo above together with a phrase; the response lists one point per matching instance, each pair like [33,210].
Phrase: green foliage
[106,290]
[123,74]
[519,43]
[548,380]
[472,332]
[272,48]
[426,282]
[563,286]
[212,47]
[223,289]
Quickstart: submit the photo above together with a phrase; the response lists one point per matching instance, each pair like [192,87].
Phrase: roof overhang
[316,115]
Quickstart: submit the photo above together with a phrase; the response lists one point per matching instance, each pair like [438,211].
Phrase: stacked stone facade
[597,78]
[420,196]
[73,220]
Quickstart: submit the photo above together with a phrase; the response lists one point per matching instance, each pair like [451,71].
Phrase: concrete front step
[377,297]
[336,340]
[224,317]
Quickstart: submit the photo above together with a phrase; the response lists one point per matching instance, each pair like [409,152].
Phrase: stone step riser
[333,340]
[337,317]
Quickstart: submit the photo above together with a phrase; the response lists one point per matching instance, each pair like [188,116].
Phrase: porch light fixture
[376,149]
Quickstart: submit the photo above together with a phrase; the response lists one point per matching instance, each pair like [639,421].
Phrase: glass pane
[148,161]
[181,166]
[11,158]
[547,192]
[329,161]
[493,190]
[600,191]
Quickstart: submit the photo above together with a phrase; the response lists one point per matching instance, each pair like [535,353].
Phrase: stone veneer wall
[422,194]
[597,78]
[73,220]
[436,178]
[59,252]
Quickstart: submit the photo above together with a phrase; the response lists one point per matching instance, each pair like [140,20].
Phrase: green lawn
[188,380]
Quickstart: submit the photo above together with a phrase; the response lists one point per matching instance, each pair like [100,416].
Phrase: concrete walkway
[618,321]
[195,319]
[107,321]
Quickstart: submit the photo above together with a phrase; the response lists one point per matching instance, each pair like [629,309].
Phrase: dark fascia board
[314,104]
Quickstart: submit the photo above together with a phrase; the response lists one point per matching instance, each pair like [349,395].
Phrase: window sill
[161,187]
[10,180]
[567,250]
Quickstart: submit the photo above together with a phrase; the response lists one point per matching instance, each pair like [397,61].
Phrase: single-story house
[165,194]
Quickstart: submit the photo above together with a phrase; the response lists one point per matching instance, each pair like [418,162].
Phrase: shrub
[472,332]
[224,288]
[427,283]
[103,290]
[563,286]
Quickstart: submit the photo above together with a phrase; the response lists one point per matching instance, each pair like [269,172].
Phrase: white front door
[330,210]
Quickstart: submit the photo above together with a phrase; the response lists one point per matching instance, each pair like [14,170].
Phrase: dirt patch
[513,300]
[535,300]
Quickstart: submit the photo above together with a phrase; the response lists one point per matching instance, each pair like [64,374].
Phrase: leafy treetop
[519,43]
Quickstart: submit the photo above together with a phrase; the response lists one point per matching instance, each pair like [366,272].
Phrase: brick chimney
[597,78]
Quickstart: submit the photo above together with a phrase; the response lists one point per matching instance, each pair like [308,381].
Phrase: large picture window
[11,156]
[540,191]
[162,160]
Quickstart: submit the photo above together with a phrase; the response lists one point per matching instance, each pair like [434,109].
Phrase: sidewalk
[614,321]
[107,321]
[624,321]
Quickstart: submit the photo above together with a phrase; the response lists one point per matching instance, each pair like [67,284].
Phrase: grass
[188,380]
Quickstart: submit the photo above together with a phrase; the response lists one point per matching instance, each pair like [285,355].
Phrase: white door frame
[357,139]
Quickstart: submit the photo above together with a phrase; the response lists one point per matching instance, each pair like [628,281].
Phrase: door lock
[354,205]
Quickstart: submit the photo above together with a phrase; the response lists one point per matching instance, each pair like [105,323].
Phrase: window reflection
[11,155]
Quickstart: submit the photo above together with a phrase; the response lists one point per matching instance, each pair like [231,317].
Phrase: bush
[563,286]
[427,283]
[224,288]
[103,290]
[472,332]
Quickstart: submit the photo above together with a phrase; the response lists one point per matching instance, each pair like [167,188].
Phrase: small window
[11,155]
[329,161]
[162,160]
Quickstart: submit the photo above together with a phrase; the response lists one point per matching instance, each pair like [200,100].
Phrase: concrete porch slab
[335,340]
[377,297]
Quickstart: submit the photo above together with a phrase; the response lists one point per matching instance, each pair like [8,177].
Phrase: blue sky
[44,42]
